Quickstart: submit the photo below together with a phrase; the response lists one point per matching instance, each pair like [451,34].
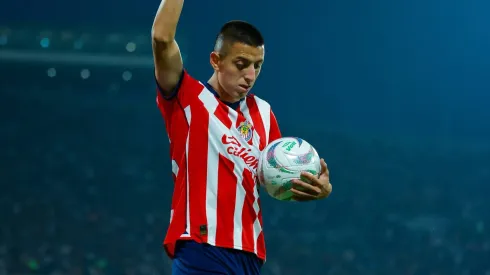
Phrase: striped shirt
[214,148]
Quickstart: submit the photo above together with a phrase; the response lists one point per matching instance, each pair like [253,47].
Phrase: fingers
[301,196]
[310,178]
[304,187]
[312,187]
[324,168]
[316,179]
[327,191]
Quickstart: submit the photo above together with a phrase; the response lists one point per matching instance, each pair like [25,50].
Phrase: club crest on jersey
[246,130]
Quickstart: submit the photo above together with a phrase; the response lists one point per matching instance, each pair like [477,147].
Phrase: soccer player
[217,130]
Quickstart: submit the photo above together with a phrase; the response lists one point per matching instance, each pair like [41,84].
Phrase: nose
[250,74]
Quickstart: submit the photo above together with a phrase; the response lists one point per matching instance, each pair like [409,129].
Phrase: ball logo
[246,130]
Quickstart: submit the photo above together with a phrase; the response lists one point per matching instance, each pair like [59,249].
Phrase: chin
[242,95]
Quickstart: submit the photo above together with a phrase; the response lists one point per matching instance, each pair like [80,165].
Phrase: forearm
[166,20]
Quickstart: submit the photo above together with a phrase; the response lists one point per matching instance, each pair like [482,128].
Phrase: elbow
[162,36]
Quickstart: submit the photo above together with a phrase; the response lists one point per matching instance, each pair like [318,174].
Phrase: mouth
[244,88]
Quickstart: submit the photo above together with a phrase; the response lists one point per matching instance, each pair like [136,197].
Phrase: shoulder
[259,101]
[189,83]
[186,88]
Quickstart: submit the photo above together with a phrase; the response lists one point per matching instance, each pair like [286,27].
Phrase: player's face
[239,69]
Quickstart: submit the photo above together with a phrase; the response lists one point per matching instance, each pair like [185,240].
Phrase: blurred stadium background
[394,95]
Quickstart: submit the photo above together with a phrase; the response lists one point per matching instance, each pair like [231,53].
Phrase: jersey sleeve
[186,90]
[274,131]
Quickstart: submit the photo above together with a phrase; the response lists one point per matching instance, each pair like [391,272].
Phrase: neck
[223,96]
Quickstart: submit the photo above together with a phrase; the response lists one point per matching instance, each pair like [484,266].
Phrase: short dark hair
[237,31]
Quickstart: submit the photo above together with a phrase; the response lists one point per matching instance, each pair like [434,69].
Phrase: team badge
[246,130]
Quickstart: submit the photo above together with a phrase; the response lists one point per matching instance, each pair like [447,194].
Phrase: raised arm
[166,52]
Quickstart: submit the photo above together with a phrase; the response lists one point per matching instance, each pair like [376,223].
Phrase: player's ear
[214,59]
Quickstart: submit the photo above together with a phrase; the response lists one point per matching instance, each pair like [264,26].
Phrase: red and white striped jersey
[214,150]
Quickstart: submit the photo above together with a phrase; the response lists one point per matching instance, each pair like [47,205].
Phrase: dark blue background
[393,94]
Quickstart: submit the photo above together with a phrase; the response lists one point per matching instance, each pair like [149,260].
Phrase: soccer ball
[283,160]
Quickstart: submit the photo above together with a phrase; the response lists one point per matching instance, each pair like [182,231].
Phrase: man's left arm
[309,187]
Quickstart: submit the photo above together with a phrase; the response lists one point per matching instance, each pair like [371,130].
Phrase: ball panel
[283,160]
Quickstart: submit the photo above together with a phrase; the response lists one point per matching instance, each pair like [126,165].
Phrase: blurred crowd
[86,188]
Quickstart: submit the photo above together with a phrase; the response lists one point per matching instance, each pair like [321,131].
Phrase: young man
[217,131]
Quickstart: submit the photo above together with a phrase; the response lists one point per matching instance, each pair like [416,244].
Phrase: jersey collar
[233,105]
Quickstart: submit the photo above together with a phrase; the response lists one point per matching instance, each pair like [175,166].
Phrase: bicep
[168,65]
